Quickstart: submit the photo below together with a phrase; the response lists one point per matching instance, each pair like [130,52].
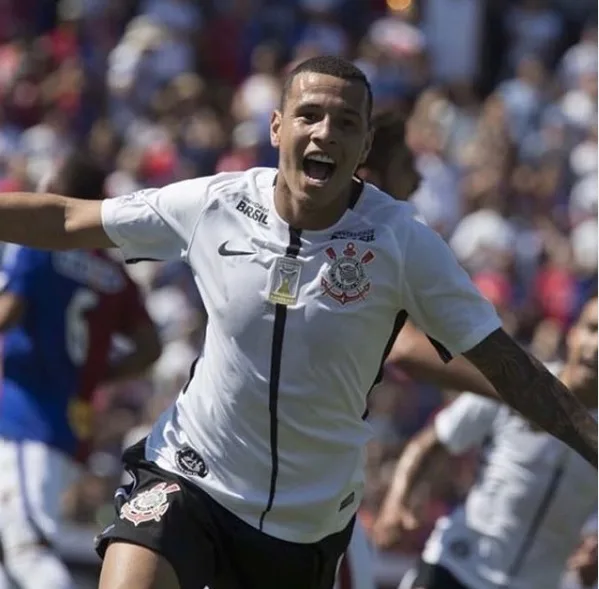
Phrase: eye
[309,117]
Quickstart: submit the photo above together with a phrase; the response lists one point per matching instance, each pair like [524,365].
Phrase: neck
[303,213]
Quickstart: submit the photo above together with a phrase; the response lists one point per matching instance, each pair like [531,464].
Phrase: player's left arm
[140,331]
[442,301]
[525,384]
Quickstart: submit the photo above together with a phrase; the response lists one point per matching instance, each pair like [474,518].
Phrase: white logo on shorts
[149,505]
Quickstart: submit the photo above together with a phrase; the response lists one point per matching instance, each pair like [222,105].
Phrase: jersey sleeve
[156,224]
[466,422]
[440,297]
[20,270]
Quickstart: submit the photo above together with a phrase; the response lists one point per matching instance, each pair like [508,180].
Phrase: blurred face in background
[391,165]
[581,363]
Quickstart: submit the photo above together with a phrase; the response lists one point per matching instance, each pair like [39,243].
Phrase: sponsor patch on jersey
[253,210]
[190,462]
[149,505]
[284,281]
[366,235]
[346,280]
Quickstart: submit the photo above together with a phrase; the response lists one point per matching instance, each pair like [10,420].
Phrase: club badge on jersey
[284,281]
[149,505]
[346,280]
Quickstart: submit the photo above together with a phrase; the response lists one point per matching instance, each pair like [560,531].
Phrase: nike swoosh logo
[223,251]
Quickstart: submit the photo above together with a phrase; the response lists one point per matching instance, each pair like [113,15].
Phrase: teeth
[321,157]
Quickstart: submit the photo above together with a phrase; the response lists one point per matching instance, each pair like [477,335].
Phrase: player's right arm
[50,221]
[153,224]
[459,427]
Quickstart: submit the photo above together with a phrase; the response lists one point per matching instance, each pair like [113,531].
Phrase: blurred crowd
[501,97]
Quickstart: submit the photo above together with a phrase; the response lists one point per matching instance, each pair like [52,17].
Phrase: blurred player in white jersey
[524,515]
[253,477]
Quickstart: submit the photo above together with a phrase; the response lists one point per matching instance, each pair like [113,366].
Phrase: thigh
[130,566]
[156,524]
[434,576]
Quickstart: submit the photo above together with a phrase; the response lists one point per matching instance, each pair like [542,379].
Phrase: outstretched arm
[526,385]
[442,300]
[50,221]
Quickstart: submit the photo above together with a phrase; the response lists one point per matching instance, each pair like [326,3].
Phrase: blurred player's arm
[146,349]
[19,278]
[396,515]
[414,354]
[51,221]
[12,308]
[459,427]
[525,384]
[139,329]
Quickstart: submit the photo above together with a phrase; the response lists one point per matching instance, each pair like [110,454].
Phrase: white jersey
[271,422]
[523,517]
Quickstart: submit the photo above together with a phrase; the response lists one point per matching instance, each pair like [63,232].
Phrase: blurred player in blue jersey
[59,313]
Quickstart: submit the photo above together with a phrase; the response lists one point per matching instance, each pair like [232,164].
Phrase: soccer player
[253,476]
[523,517]
[58,313]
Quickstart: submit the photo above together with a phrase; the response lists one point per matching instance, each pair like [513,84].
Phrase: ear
[367,146]
[275,128]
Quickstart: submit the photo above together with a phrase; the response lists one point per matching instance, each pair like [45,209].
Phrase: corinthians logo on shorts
[149,505]
[346,280]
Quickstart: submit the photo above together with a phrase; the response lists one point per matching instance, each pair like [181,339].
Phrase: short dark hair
[81,176]
[329,65]
[389,134]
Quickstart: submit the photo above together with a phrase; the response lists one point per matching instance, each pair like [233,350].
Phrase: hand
[584,561]
[390,529]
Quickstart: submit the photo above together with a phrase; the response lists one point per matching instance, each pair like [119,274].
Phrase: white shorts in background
[33,478]
[356,570]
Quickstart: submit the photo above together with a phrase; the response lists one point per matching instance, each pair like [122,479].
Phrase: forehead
[328,91]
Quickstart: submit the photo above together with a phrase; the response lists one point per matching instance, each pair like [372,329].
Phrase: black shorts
[435,576]
[205,543]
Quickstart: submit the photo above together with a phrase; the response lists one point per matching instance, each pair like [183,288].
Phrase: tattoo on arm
[527,386]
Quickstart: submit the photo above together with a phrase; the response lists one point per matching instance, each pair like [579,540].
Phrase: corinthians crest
[346,280]
[149,505]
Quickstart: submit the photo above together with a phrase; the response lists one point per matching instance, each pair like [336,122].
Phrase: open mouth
[319,167]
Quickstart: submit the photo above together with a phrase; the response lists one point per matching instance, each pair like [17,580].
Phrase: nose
[325,132]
